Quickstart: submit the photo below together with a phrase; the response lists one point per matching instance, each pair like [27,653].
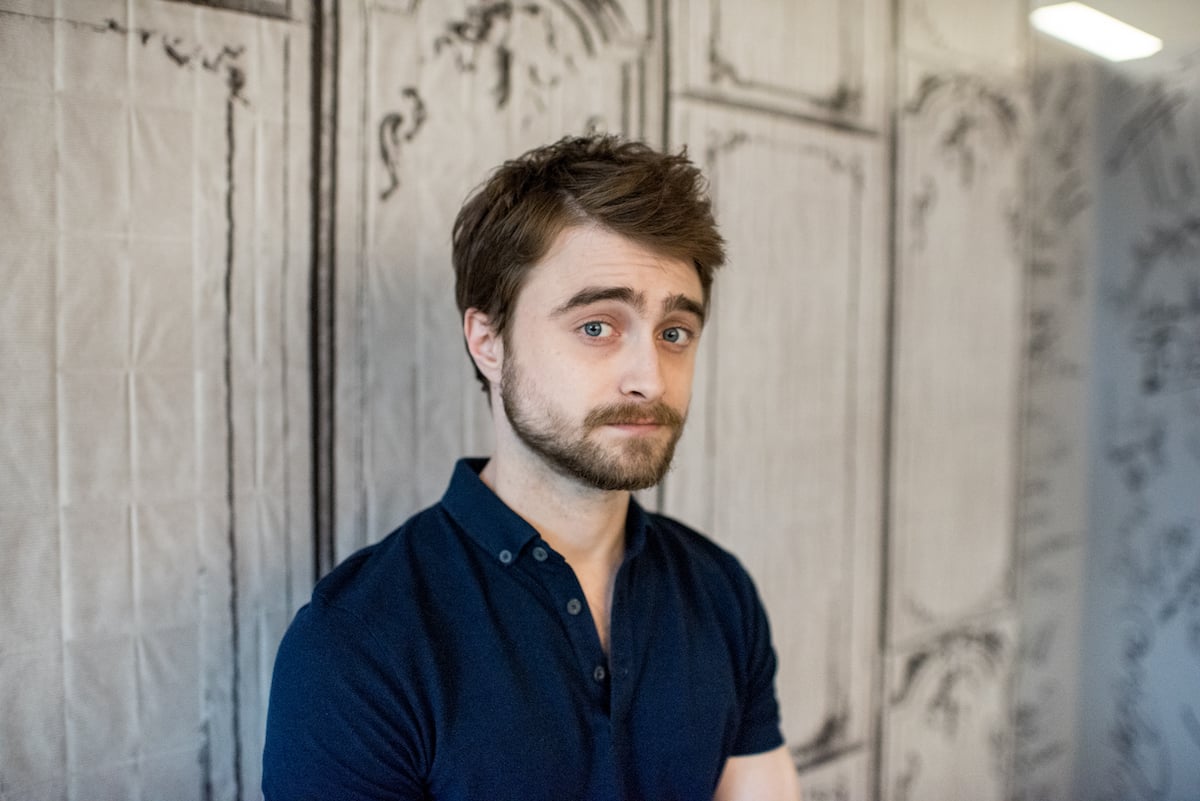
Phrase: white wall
[1053,516]
[1141,711]
[1111,503]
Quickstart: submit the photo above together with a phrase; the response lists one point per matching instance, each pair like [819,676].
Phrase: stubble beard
[632,464]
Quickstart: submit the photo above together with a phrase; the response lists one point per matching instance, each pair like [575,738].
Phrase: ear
[484,344]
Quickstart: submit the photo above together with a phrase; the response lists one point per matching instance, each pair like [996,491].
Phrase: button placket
[564,585]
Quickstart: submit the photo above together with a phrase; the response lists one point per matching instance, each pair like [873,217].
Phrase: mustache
[631,413]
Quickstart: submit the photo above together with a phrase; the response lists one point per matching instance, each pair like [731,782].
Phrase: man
[536,634]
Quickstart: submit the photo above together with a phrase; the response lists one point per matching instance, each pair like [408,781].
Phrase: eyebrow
[596,294]
[683,303]
[626,295]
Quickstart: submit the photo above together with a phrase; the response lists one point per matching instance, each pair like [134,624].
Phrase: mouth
[636,426]
[632,420]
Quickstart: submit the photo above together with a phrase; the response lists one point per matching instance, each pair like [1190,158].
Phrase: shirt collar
[499,529]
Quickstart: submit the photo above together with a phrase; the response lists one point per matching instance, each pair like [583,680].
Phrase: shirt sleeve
[759,730]
[336,727]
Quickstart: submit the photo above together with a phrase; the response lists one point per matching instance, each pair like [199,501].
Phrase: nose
[642,378]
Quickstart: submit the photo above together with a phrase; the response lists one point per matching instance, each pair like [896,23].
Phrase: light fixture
[1095,31]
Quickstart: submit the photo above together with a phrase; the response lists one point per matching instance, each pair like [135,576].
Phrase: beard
[633,463]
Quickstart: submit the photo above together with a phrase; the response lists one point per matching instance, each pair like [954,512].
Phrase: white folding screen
[1140,650]
[155,391]
[958,316]
[821,59]
[853,431]
[782,463]
[1053,509]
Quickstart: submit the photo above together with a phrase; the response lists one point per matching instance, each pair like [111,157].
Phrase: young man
[536,634]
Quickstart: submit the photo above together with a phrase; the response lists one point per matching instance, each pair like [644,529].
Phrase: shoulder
[697,556]
[670,534]
[338,658]
[366,588]
[376,576]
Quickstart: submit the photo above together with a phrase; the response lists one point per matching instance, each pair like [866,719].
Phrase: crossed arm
[769,776]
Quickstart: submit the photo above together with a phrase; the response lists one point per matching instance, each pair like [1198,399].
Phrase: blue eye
[677,336]
[594,329]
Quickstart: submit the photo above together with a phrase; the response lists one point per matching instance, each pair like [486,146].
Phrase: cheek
[685,364]
[679,378]
[565,377]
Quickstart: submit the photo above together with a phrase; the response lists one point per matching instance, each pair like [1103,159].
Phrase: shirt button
[539,553]
[506,557]
[599,673]
[574,606]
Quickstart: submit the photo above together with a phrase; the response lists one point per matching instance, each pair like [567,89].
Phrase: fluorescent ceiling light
[1084,26]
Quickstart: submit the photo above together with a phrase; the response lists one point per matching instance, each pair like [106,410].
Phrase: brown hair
[508,224]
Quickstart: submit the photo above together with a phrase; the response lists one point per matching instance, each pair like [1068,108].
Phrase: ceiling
[1176,22]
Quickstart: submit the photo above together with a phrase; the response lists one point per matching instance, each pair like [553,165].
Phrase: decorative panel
[988,36]
[1141,628]
[824,59]
[958,307]
[153,463]
[947,727]
[781,460]
[1052,525]
[432,96]
[845,778]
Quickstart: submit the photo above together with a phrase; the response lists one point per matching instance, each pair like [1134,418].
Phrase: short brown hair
[508,224]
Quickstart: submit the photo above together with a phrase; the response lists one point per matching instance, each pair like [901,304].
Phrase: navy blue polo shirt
[457,660]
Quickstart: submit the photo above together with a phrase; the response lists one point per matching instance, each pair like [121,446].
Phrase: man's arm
[769,776]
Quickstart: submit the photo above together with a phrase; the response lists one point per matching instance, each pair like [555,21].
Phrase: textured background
[229,356]
[154,464]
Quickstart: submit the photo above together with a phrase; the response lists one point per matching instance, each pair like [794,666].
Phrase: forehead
[588,256]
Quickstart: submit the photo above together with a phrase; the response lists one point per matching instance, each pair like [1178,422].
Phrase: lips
[624,415]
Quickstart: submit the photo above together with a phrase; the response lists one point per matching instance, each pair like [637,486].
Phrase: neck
[584,524]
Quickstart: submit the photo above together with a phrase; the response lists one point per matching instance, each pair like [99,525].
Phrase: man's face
[598,359]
